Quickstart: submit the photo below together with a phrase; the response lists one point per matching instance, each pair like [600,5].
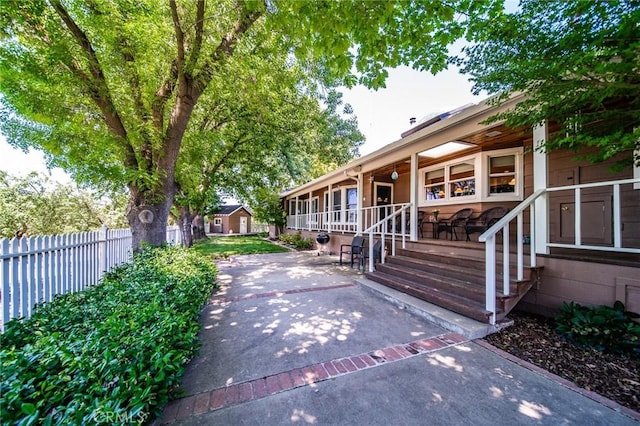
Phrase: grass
[223,247]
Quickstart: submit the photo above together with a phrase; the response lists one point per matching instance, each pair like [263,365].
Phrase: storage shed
[231,219]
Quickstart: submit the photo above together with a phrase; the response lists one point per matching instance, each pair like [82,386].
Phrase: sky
[382,115]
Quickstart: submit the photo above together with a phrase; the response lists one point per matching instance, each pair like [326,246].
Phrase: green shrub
[297,240]
[607,329]
[114,353]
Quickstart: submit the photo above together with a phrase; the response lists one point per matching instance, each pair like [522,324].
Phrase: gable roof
[230,209]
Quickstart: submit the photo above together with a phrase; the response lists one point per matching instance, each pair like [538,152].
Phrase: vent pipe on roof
[412,120]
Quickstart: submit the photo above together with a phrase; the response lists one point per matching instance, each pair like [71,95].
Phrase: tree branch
[179,34]
[96,82]
[197,44]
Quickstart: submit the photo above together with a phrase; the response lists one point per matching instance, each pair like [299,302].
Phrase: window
[344,204]
[434,184]
[502,174]
[452,180]
[462,179]
[352,204]
[217,221]
[484,176]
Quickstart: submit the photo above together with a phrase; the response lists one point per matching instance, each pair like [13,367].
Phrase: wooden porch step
[462,262]
[472,274]
[453,279]
[440,297]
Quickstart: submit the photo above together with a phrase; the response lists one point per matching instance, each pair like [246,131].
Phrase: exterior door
[243,224]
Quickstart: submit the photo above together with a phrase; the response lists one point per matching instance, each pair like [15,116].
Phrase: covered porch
[401,193]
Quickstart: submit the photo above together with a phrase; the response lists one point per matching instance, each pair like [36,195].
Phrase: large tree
[578,63]
[108,88]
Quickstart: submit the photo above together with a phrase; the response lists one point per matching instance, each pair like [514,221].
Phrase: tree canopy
[578,63]
[108,89]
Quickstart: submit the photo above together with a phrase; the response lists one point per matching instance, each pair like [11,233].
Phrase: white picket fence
[35,269]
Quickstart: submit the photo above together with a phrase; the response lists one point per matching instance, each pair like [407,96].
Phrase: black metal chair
[485,220]
[449,224]
[354,250]
[377,254]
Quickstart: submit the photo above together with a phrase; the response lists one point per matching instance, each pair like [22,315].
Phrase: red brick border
[259,388]
[562,381]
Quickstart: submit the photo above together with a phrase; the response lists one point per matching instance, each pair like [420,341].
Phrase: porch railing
[386,226]
[345,221]
[503,226]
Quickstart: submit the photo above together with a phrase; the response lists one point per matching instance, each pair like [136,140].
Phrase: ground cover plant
[223,247]
[113,354]
[297,241]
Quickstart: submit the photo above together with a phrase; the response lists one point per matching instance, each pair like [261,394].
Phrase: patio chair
[354,250]
[377,254]
[449,224]
[485,220]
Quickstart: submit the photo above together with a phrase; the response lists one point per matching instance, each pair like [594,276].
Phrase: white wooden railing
[386,226]
[503,225]
[35,269]
[345,221]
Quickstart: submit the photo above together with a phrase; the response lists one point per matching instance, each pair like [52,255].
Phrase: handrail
[370,230]
[489,236]
[510,216]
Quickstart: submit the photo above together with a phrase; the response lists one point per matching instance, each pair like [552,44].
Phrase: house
[231,219]
[572,231]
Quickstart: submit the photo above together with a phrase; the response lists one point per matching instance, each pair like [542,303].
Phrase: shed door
[243,224]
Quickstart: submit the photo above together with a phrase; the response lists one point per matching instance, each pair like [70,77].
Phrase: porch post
[297,212]
[329,208]
[540,181]
[309,214]
[359,206]
[413,198]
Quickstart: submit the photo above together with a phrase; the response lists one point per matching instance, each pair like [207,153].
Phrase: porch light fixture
[445,149]
[394,175]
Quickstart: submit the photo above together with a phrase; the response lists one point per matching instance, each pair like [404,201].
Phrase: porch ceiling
[484,140]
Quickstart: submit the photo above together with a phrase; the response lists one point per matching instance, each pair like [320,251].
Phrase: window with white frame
[344,204]
[217,221]
[453,180]
[462,179]
[481,177]
[503,174]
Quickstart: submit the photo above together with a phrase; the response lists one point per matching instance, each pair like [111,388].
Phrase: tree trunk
[198,227]
[148,221]
[185,226]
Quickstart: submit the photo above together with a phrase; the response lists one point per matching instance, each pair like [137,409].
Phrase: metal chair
[449,224]
[485,220]
[354,250]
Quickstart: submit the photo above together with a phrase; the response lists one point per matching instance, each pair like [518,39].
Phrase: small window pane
[461,171]
[505,164]
[435,176]
[501,184]
[463,188]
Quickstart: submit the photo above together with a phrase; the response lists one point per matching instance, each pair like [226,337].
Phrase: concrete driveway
[291,339]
